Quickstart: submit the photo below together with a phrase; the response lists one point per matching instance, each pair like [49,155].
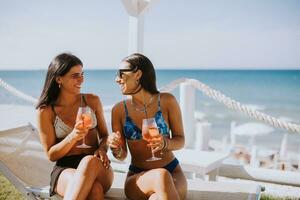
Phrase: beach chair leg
[212,176]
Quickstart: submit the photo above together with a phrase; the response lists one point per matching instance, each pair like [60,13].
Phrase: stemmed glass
[84,114]
[150,131]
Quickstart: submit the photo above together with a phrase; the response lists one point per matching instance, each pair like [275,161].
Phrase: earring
[59,85]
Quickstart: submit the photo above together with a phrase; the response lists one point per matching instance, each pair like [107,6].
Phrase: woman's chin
[124,91]
[76,91]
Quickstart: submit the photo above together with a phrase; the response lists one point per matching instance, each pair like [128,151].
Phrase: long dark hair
[59,66]
[141,62]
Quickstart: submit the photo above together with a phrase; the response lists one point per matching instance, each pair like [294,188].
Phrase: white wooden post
[283,147]
[232,134]
[224,146]
[136,10]
[187,104]
[202,136]
[136,34]
[299,160]
[253,160]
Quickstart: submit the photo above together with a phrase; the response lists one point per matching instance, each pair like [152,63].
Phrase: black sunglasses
[120,72]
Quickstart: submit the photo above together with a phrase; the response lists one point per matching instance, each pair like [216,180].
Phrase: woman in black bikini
[79,173]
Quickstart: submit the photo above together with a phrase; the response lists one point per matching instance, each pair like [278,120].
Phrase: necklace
[144,107]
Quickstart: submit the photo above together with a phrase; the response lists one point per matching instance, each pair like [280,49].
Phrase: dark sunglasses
[120,72]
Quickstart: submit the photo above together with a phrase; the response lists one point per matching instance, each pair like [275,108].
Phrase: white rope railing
[234,105]
[205,89]
[14,91]
[17,93]
[172,85]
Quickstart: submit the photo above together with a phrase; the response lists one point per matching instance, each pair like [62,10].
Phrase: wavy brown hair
[59,66]
[141,62]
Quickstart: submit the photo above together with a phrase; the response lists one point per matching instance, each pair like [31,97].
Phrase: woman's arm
[95,103]
[48,138]
[101,124]
[116,122]
[169,102]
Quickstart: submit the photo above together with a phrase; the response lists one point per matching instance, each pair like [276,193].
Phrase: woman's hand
[114,140]
[115,143]
[157,143]
[79,132]
[101,154]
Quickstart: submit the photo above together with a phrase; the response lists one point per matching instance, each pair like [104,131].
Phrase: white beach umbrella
[250,129]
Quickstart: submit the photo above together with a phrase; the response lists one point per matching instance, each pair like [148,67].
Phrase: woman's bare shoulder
[118,106]
[168,101]
[167,97]
[45,112]
[93,100]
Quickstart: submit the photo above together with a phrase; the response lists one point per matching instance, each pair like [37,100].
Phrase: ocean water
[274,92]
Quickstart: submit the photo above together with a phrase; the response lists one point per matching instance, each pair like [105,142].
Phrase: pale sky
[178,33]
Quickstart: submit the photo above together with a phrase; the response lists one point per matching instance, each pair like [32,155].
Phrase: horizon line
[173,68]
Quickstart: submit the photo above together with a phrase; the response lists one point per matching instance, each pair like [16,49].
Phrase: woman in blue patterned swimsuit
[162,179]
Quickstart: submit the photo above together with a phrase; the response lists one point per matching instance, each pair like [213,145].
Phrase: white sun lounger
[23,160]
[24,163]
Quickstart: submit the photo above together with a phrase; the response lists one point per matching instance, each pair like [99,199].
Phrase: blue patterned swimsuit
[133,132]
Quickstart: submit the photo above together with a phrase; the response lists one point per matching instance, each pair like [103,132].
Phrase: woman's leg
[180,182]
[79,183]
[63,180]
[105,178]
[155,183]
[96,191]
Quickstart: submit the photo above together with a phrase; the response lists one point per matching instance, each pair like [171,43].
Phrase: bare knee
[163,177]
[90,164]
[132,190]
[96,191]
